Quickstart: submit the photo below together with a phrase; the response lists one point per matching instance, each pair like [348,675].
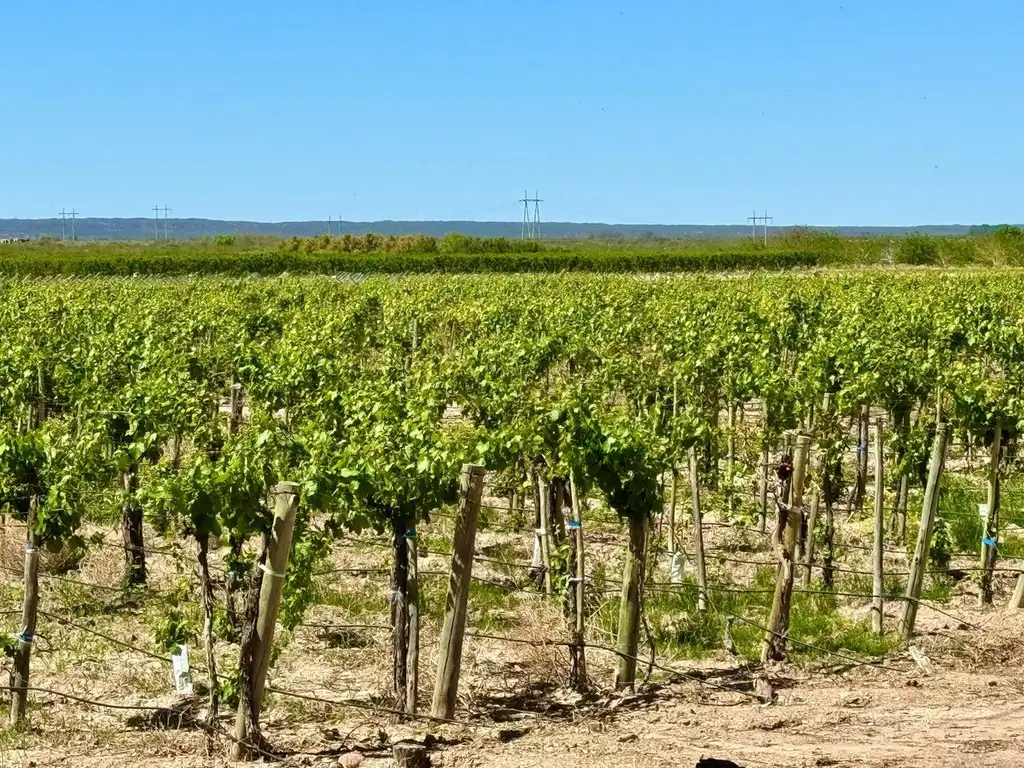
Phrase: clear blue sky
[838,112]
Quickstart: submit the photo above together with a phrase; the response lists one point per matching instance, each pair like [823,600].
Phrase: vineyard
[498,510]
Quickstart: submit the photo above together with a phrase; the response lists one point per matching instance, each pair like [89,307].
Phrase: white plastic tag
[181,671]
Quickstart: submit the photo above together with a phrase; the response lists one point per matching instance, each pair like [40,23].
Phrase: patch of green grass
[491,606]
[817,627]
[359,600]
[938,588]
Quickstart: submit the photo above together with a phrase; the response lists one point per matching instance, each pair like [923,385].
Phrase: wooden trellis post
[449,663]
[929,507]
[877,553]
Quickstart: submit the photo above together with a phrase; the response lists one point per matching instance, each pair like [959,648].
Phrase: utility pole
[156,221]
[166,210]
[328,225]
[63,223]
[531,223]
[755,220]
[72,215]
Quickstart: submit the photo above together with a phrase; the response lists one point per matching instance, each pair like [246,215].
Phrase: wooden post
[903,488]
[990,534]
[544,497]
[1017,600]
[762,514]
[29,614]
[877,553]
[629,602]
[929,506]
[446,686]
[698,535]
[577,652]
[812,522]
[672,513]
[235,409]
[279,544]
[412,664]
[775,639]
[730,459]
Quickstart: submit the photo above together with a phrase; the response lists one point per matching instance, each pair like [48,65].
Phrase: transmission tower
[531,223]
[166,210]
[755,220]
[72,214]
[63,224]
[156,221]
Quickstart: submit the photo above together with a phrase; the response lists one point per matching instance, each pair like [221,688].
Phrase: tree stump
[410,754]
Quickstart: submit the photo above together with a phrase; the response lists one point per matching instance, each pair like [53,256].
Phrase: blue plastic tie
[411,533]
[23,637]
[575,524]
[988,541]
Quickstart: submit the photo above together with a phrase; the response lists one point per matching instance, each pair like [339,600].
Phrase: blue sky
[841,112]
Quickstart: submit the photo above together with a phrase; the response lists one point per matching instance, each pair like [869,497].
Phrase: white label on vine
[983,511]
[181,671]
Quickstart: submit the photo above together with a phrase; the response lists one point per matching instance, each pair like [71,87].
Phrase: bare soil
[514,709]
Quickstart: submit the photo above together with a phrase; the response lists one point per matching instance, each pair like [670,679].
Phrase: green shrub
[917,250]
[1010,241]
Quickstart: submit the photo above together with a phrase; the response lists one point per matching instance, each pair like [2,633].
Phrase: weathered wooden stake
[446,685]
[412,663]
[730,459]
[629,602]
[577,652]
[29,614]
[929,507]
[877,553]
[777,635]
[812,522]
[990,535]
[279,544]
[698,534]
[762,509]
[1017,600]
[672,513]
[545,531]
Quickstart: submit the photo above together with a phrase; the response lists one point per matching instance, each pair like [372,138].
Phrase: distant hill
[143,229]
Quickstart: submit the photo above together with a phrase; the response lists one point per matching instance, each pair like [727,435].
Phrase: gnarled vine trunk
[206,588]
[131,528]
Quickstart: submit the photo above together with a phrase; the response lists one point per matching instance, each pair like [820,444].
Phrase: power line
[531,222]
[755,220]
[166,210]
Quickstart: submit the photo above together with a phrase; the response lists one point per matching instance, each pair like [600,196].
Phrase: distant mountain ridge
[145,229]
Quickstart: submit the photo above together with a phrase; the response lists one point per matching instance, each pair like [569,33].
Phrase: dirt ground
[514,709]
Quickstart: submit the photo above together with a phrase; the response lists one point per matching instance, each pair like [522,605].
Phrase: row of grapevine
[185,402]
